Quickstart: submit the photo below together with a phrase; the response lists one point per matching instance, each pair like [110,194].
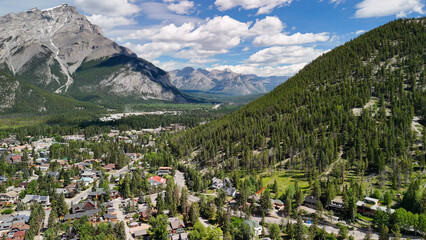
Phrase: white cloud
[284,39]
[151,51]
[192,41]
[171,65]
[183,7]
[107,23]
[268,25]
[262,71]
[263,6]
[161,12]
[358,32]
[285,55]
[110,8]
[381,8]
[337,2]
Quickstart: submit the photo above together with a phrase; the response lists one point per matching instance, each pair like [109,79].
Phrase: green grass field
[285,179]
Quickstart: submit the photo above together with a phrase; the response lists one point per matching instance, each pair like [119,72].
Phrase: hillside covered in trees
[361,108]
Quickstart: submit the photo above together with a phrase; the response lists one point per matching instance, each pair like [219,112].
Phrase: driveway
[179,179]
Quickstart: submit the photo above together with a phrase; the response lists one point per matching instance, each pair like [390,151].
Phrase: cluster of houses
[14,226]
[224,184]
[367,207]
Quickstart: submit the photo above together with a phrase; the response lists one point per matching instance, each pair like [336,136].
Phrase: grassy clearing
[285,179]
[7,123]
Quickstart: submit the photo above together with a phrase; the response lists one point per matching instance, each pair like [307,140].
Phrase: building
[42,200]
[164,171]
[96,194]
[156,180]
[278,204]
[255,226]
[337,205]
[217,183]
[176,225]
[368,206]
[54,174]
[9,197]
[311,201]
[109,167]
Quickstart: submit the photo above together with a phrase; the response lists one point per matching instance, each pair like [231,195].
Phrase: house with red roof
[156,180]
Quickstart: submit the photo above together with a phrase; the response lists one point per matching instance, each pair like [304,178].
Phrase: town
[128,185]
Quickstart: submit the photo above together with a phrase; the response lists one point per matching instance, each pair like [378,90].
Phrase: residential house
[43,167]
[91,215]
[82,207]
[42,200]
[156,180]
[109,167]
[86,180]
[277,204]
[217,183]
[311,201]
[368,206]
[176,225]
[255,226]
[9,197]
[99,192]
[55,175]
[164,171]
[110,217]
[15,159]
[230,191]
[336,205]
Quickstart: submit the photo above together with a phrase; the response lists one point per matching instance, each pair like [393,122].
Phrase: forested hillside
[361,106]
[20,97]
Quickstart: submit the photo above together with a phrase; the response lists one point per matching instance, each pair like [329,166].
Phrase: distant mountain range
[223,81]
[59,51]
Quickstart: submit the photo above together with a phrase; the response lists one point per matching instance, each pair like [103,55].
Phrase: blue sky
[264,37]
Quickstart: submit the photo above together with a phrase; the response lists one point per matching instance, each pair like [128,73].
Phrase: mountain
[360,107]
[223,81]
[21,98]
[60,51]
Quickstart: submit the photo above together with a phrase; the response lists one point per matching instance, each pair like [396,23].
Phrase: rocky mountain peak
[47,48]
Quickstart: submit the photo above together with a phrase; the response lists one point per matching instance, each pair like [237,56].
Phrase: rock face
[59,50]
[224,81]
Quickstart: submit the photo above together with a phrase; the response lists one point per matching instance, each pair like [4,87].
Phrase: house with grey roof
[42,200]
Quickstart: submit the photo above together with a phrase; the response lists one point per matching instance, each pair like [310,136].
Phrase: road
[120,216]
[121,171]
[78,197]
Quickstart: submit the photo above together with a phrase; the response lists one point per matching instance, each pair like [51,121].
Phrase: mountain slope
[20,97]
[48,48]
[358,101]
[226,81]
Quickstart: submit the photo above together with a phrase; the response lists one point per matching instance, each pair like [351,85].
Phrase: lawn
[285,179]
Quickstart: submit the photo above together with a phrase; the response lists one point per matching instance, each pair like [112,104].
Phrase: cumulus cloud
[183,7]
[263,6]
[107,23]
[268,25]
[110,8]
[284,39]
[285,55]
[262,71]
[215,36]
[199,43]
[381,8]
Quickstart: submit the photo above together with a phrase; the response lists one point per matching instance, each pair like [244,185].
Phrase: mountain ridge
[223,81]
[46,48]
